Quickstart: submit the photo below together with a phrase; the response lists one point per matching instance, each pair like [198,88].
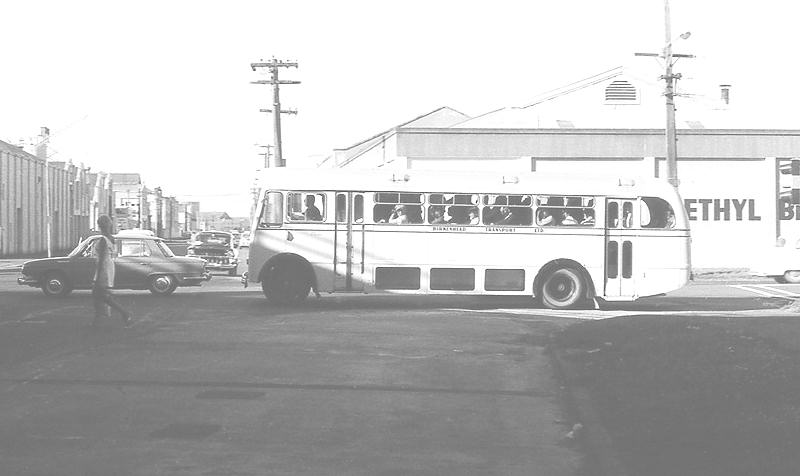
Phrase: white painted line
[750,288]
[775,289]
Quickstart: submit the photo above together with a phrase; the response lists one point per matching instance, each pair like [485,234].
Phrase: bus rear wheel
[563,288]
[285,283]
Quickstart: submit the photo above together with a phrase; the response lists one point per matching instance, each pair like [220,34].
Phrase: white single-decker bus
[563,240]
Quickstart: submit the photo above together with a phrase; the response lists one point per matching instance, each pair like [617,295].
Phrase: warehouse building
[735,167]
[33,188]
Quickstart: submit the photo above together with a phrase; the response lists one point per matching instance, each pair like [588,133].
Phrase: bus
[564,241]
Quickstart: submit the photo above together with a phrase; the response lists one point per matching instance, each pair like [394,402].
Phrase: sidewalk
[12,265]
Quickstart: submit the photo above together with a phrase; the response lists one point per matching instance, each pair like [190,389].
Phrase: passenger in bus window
[474,216]
[669,220]
[627,217]
[567,218]
[414,213]
[437,215]
[505,217]
[399,216]
[312,213]
[543,217]
[588,217]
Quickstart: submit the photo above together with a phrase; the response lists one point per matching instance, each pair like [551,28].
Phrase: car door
[79,267]
[133,263]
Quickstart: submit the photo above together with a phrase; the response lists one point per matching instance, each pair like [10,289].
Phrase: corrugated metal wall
[76,196]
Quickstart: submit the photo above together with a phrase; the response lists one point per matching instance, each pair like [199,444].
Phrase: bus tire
[563,288]
[285,282]
[792,276]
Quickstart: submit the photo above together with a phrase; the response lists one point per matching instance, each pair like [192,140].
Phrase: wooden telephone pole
[670,79]
[274,65]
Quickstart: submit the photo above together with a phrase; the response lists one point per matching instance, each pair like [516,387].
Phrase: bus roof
[456,181]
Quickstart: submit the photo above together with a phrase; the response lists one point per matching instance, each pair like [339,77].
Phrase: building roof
[441,117]
[12,149]
[127,179]
[628,97]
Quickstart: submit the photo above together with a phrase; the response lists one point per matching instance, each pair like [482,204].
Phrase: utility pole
[274,65]
[267,154]
[670,79]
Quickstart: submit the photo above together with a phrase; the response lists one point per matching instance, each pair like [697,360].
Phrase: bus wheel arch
[287,278]
[563,284]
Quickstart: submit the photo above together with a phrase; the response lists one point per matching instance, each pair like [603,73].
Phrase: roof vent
[695,125]
[564,124]
[621,92]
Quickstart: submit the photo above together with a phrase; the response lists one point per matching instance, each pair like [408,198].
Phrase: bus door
[348,256]
[620,252]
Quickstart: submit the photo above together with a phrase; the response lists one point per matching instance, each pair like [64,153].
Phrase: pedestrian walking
[104,250]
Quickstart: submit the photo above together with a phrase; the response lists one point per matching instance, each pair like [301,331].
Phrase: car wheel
[162,284]
[56,285]
[285,283]
[563,288]
[792,276]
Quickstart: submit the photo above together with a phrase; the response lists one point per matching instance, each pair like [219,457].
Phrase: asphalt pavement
[214,380]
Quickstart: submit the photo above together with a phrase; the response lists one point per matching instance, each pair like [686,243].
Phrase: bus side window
[397,208]
[627,215]
[612,217]
[358,208]
[272,210]
[656,213]
[341,208]
[306,206]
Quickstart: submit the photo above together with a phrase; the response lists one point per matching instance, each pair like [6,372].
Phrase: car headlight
[229,253]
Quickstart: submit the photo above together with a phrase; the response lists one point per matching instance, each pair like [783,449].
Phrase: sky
[163,88]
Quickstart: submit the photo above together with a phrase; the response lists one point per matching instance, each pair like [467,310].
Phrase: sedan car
[142,262]
[216,247]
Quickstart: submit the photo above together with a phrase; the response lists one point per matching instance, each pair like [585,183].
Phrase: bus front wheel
[563,288]
[284,283]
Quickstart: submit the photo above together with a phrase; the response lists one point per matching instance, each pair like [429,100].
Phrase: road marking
[767,290]
[592,314]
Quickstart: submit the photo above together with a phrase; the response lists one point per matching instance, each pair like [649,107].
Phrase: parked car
[142,262]
[782,263]
[216,247]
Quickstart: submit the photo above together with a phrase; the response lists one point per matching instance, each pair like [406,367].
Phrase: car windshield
[165,249]
[83,246]
[214,238]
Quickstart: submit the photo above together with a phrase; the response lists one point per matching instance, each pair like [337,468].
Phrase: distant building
[188,217]
[131,205]
[221,221]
